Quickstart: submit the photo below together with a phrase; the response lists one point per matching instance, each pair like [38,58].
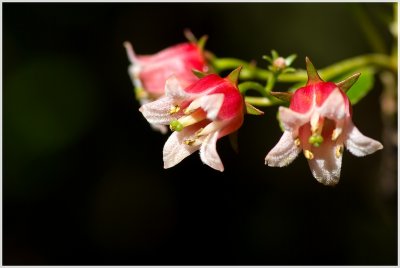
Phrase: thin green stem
[263,101]
[352,64]
[259,101]
[243,87]
[271,82]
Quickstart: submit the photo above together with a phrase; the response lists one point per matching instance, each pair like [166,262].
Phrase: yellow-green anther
[175,125]
[316,140]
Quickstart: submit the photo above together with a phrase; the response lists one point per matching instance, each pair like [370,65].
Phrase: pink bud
[153,70]
[150,72]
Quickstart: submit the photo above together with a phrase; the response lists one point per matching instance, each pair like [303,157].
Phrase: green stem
[263,101]
[243,87]
[271,82]
[352,64]
[259,101]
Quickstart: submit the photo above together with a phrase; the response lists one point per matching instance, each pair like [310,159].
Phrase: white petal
[292,120]
[135,68]
[334,106]
[158,112]
[326,165]
[130,52]
[213,126]
[211,104]
[358,144]
[133,72]
[284,152]
[175,150]
[174,89]
[209,154]
[160,128]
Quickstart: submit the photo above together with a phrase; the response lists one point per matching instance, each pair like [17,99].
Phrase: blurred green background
[83,182]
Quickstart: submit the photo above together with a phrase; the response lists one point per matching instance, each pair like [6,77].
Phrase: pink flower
[318,122]
[150,72]
[199,114]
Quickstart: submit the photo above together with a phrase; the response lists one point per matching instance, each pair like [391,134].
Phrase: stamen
[184,121]
[175,125]
[336,133]
[308,154]
[189,142]
[187,111]
[198,133]
[314,122]
[339,151]
[174,109]
[297,142]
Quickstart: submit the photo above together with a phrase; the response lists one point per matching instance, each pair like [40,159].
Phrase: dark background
[83,181]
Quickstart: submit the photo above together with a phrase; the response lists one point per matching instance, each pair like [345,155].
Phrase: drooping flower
[199,115]
[318,122]
[150,72]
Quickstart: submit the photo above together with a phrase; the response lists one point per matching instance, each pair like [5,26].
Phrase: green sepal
[346,84]
[233,77]
[364,84]
[250,109]
[202,42]
[313,76]
[285,96]
[198,73]
[190,36]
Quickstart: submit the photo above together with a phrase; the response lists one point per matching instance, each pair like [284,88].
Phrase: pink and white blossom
[199,115]
[319,123]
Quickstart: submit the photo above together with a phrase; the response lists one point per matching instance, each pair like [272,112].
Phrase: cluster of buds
[199,111]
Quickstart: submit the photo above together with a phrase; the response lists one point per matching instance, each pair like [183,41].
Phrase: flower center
[184,121]
[317,124]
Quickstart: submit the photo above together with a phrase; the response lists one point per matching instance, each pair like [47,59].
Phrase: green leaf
[274,54]
[361,88]
[267,58]
[250,109]
[289,60]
